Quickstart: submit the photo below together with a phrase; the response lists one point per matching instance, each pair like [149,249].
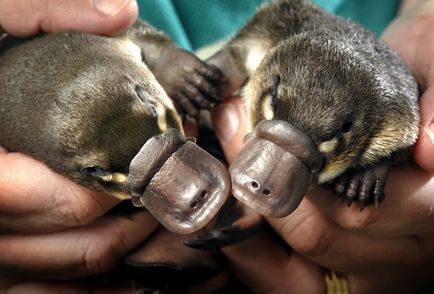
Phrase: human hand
[24,18]
[51,228]
[411,36]
[389,248]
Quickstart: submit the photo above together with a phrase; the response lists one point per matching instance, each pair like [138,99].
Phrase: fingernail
[228,122]
[430,131]
[110,7]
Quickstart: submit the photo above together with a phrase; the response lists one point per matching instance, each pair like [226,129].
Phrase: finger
[424,148]
[311,234]
[406,209]
[48,200]
[273,269]
[230,124]
[28,17]
[38,287]
[77,252]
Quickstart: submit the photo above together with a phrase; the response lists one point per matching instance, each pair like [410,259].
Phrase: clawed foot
[366,187]
[190,82]
[235,223]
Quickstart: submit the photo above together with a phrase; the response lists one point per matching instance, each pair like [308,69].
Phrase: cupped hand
[52,228]
[389,248]
[411,35]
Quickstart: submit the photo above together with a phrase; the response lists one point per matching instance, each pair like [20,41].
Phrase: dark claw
[352,190]
[379,191]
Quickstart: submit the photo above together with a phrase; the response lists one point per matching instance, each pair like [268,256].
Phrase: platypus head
[111,108]
[325,92]
[322,102]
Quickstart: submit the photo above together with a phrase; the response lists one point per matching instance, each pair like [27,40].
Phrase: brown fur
[83,104]
[331,72]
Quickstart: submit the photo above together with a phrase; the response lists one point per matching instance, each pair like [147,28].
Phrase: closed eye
[274,89]
[347,127]
[148,103]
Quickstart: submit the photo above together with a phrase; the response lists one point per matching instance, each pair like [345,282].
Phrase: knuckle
[101,256]
[74,209]
[318,244]
[310,237]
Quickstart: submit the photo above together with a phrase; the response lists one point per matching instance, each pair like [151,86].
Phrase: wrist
[410,36]
[418,7]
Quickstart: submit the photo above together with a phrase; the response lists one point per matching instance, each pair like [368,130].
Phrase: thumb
[28,17]
[230,125]
[424,148]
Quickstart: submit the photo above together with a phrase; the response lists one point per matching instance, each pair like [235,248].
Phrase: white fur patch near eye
[162,120]
[131,49]
[328,146]
[254,57]
[121,195]
[267,109]
[116,178]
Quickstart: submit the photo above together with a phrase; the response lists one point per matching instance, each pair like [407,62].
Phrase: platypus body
[336,104]
[88,105]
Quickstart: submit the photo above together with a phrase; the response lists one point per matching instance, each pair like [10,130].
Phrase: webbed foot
[366,187]
[190,82]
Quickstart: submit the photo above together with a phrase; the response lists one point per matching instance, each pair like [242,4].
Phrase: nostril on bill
[203,194]
[255,185]
[266,192]
[193,204]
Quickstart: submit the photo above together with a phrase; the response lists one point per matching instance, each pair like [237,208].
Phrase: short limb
[364,186]
[190,82]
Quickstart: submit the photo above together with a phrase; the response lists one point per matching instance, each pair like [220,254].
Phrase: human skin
[51,227]
[380,250]
[79,220]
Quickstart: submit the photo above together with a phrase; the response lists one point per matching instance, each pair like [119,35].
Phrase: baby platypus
[91,109]
[326,102]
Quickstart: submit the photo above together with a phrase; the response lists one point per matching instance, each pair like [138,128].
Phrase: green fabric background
[195,23]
